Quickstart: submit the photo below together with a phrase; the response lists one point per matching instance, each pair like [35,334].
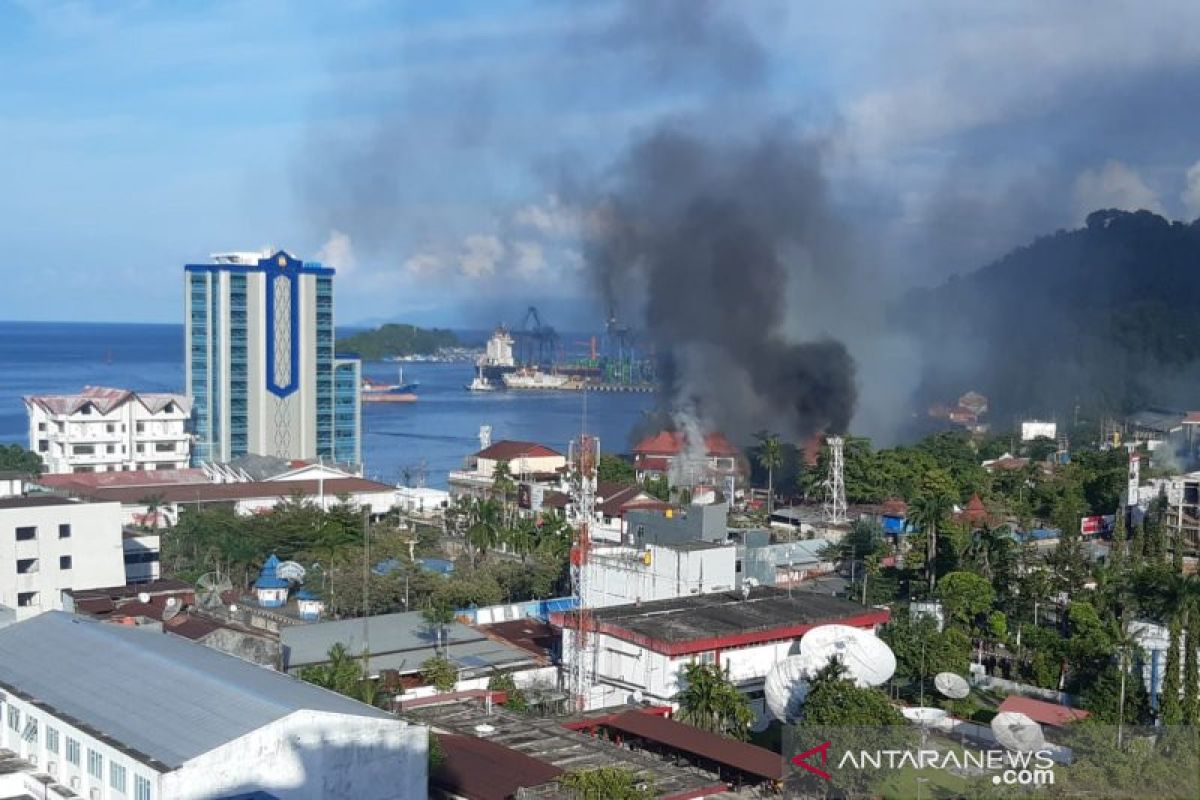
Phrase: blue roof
[305,594]
[438,565]
[268,577]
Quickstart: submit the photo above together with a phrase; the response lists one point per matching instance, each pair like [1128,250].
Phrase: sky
[428,150]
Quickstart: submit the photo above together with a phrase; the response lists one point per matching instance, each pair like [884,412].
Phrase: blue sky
[419,146]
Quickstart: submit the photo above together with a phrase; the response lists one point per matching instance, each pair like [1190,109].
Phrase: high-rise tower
[261,368]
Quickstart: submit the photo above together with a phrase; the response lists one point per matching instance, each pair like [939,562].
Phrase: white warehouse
[127,713]
[109,430]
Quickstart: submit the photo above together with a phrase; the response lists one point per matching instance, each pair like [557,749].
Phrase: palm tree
[928,512]
[439,615]
[711,702]
[503,487]
[988,549]
[521,537]
[770,456]
[483,526]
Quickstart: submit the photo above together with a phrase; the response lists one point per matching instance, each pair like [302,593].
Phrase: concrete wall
[312,754]
[619,575]
[486,467]
[700,523]
[94,546]
[261,650]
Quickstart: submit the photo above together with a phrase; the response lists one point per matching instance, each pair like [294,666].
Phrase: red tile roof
[741,756]
[106,399]
[225,492]
[1193,418]
[670,443]
[1042,712]
[508,450]
[479,769]
[142,477]
[894,507]
[653,464]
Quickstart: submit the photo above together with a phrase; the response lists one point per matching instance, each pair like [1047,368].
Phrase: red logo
[801,760]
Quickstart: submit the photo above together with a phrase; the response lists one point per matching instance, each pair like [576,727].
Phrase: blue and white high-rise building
[261,368]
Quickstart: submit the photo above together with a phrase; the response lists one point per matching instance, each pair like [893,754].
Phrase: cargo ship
[535,379]
[399,392]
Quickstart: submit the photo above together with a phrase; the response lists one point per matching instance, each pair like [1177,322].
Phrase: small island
[396,340]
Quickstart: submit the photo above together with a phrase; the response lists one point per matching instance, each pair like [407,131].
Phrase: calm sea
[400,441]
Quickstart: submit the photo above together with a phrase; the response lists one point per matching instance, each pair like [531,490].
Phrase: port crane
[537,341]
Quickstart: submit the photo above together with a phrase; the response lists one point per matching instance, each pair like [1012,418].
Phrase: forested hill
[393,339]
[1106,318]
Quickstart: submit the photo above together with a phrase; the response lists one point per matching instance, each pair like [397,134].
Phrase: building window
[31,730]
[141,788]
[141,427]
[64,530]
[27,566]
[83,449]
[26,599]
[116,776]
[41,426]
[52,740]
[43,446]
[26,533]
[110,428]
[64,562]
[95,764]
[14,718]
[110,448]
[73,751]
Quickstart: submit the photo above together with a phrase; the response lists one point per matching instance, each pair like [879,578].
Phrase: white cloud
[1191,194]
[421,264]
[528,259]
[550,218]
[481,255]
[337,252]
[1115,185]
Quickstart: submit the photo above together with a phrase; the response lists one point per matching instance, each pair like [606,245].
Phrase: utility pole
[366,592]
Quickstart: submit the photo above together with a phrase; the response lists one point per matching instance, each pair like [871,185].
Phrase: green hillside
[391,340]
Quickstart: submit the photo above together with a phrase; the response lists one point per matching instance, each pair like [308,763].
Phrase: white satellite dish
[483,729]
[867,659]
[143,597]
[1018,732]
[786,687]
[233,609]
[950,685]
[637,695]
[290,571]
[171,609]
[924,715]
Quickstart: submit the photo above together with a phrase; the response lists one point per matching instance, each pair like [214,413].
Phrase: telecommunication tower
[835,484]
[584,456]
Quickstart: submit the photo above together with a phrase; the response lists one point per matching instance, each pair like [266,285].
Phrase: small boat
[480,384]
[379,392]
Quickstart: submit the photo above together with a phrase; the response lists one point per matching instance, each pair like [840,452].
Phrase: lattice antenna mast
[835,484]
[584,456]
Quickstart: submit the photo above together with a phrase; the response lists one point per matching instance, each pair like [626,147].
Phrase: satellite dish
[867,659]
[171,609]
[786,687]
[924,715]
[637,696]
[1018,732]
[232,609]
[484,729]
[209,589]
[290,571]
[143,597]
[950,685]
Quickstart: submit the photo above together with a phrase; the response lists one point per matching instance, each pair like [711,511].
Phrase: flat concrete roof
[728,619]
[34,501]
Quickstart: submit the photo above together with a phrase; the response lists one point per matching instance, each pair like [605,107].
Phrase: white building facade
[621,575]
[109,430]
[48,544]
[195,723]
[261,367]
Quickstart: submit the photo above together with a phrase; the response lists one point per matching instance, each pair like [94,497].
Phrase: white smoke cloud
[337,252]
[1191,193]
[1115,185]
[529,260]
[423,264]
[481,255]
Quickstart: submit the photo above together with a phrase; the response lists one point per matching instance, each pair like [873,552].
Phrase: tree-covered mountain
[388,341]
[1103,319]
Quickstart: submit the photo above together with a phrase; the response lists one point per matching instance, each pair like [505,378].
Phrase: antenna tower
[835,484]
[584,456]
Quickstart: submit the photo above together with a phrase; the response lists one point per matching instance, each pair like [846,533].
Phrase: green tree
[965,596]
[440,614]
[394,339]
[1191,669]
[614,469]
[1137,548]
[1117,557]
[514,698]
[14,458]
[440,672]
[769,456]
[484,526]
[929,511]
[342,673]
[921,650]
[711,702]
[1170,706]
[609,783]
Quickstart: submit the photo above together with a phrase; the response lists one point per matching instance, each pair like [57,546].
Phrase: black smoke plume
[706,242]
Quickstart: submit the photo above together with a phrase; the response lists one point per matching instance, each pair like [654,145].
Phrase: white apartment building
[109,430]
[48,544]
[260,363]
[620,575]
[527,462]
[117,712]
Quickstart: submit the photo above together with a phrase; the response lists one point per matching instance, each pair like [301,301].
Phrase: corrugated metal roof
[158,696]
[398,641]
[742,756]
